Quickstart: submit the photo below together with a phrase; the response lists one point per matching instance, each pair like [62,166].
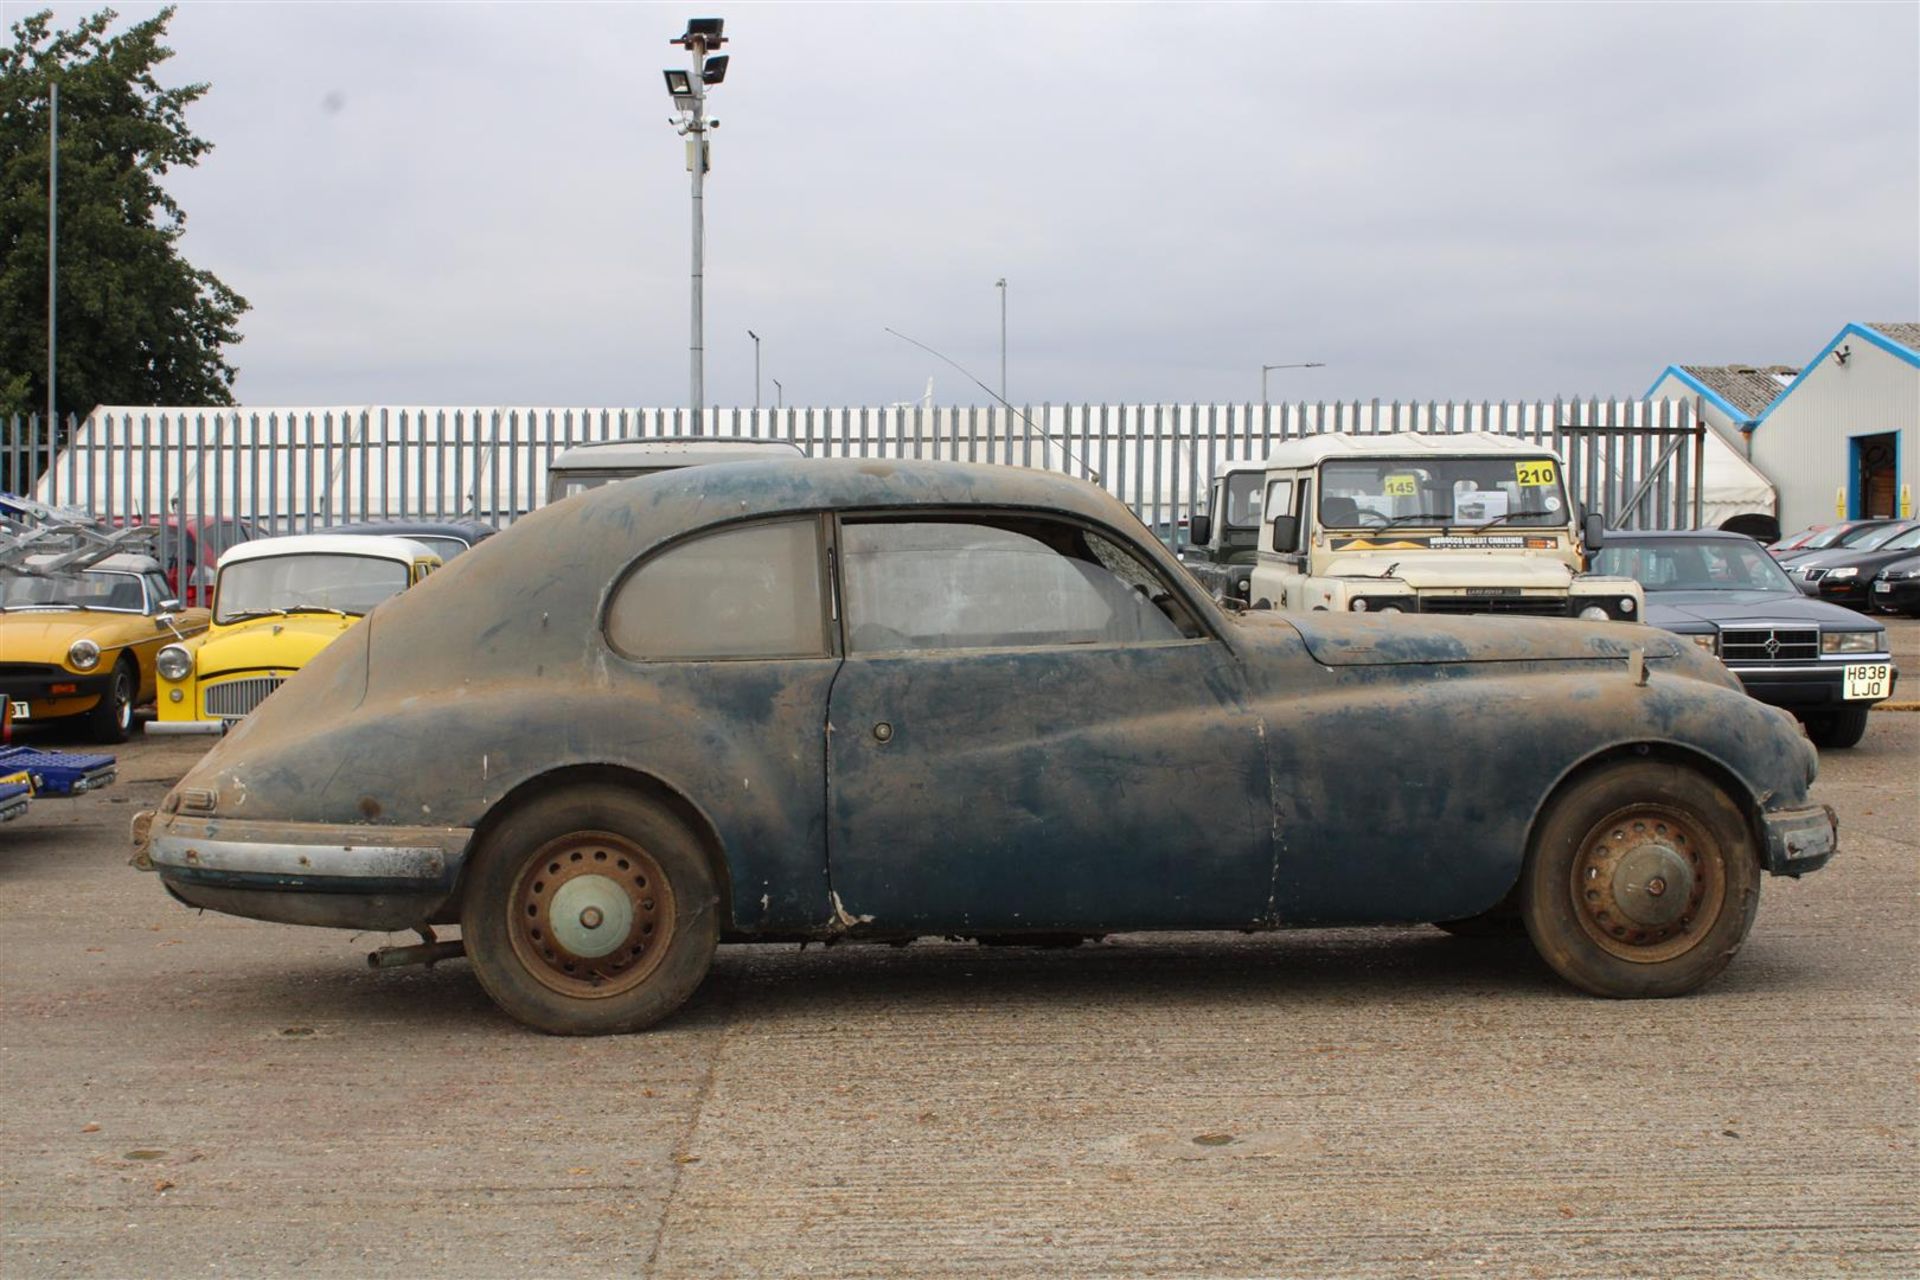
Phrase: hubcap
[1648,883]
[591,914]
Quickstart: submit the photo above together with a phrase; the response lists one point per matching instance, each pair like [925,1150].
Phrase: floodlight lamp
[716,69]
[705,30]
[679,83]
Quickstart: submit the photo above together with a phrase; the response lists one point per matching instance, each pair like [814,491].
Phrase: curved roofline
[378,547]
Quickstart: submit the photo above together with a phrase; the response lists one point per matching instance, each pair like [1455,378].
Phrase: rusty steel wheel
[593,915]
[1642,880]
[589,911]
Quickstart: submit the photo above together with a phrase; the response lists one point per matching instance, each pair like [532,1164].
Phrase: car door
[1021,738]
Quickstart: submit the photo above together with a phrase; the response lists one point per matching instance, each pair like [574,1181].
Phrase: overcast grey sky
[464,203]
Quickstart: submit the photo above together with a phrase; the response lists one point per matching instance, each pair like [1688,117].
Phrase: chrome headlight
[1595,613]
[1851,641]
[1359,604]
[1710,643]
[84,655]
[173,663]
[1849,572]
[1626,606]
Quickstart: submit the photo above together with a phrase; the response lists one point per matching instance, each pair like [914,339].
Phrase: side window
[998,583]
[752,592]
[1279,498]
[157,590]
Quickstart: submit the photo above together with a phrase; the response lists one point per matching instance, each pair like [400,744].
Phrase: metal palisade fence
[293,470]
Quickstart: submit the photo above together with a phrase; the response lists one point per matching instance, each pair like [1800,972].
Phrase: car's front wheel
[111,719]
[590,911]
[1837,729]
[1642,880]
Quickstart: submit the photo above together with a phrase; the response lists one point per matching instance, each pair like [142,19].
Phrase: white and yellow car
[277,603]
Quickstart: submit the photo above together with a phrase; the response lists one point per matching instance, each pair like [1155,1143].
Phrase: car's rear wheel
[111,719]
[590,912]
[1643,880]
[1837,729]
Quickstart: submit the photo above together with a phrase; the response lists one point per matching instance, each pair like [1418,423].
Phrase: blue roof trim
[1851,331]
[1675,371]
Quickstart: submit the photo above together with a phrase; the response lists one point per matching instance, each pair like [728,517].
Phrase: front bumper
[1809,684]
[186,726]
[1897,593]
[344,877]
[1800,840]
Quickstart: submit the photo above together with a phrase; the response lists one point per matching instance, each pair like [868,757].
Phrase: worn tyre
[1835,730]
[590,911]
[111,719]
[1642,880]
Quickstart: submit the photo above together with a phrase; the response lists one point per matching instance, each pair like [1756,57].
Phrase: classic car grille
[1788,645]
[29,671]
[1537,606]
[237,698]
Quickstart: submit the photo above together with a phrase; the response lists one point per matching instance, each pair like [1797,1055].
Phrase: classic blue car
[872,699]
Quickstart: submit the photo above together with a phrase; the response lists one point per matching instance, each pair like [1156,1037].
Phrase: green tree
[138,323]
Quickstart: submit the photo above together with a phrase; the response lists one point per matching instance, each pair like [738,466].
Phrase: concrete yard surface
[191,1094]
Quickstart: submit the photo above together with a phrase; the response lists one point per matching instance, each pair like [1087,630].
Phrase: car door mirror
[1200,530]
[1286,533]
[1593,531]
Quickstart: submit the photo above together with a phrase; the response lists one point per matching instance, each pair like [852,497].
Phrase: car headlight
[84,655]
[1851,641]
[1710,643]
[173,662]
[1626,606]
[1359,604]
[1900,575]
[1595,613]
[1848,572]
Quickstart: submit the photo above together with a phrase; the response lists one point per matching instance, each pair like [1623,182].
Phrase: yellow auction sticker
[1534,475]
[1402,484]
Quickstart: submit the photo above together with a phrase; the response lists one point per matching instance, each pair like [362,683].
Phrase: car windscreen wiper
[241,615]
[1510,515]
[1442,517]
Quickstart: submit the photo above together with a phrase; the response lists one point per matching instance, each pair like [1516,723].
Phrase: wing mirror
[1286,533]
[1200,530]
[1593,531]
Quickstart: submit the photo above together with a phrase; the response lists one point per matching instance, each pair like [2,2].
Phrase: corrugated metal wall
[1805,443]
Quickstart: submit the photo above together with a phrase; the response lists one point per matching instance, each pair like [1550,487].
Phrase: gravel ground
[191,1094]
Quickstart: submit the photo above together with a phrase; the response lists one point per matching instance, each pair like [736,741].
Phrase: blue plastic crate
[59,773]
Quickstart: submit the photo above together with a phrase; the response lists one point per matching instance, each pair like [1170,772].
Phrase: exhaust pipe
[428,952]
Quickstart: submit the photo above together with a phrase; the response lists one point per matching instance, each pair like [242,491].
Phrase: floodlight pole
[1001,285]
[697,397]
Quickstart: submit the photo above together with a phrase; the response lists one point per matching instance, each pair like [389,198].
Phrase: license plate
[19,711]
[1868,680]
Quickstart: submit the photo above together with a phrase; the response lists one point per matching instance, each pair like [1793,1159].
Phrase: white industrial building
[1838,438]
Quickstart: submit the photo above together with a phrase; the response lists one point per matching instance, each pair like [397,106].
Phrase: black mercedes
[1824,663]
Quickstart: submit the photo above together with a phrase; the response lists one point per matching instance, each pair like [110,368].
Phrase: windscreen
[1718,564]
[115,592]
[1875,537]
[1380,493]
[329,583]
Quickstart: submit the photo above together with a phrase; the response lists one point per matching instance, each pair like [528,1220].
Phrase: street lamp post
[1001,285]
[689,92]
[1268,368]
[779,394]
[756,369]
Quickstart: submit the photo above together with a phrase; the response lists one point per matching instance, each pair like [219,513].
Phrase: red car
[196,543]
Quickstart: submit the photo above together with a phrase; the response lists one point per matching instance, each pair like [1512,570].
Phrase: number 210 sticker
[1533,475]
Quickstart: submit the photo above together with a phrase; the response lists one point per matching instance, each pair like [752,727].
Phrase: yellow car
[80,647]
[276,603]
